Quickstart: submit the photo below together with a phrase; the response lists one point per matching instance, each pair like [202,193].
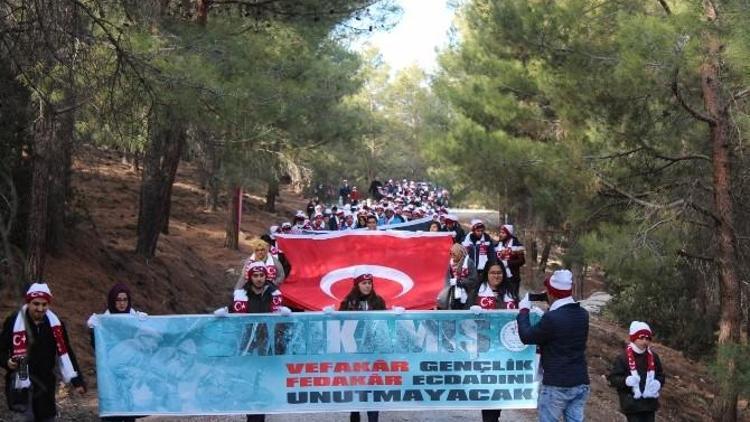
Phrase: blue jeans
[570,402]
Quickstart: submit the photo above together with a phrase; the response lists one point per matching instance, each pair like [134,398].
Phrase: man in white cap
[33,343]
[561,335]
[638,376]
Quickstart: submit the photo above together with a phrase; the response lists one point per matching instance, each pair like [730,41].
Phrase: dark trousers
[371,417]
[119,419]
[641,417]
[256,418]
[491,415]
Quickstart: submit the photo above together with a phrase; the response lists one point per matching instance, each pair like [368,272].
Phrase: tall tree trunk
[59,178]
[729,284]
[44,138]
[271,194]
[234,215]
[159,169]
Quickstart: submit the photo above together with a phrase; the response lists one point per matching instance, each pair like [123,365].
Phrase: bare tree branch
[665,6]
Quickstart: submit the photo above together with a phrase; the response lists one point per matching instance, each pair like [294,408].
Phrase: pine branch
[693,112]
[665,6]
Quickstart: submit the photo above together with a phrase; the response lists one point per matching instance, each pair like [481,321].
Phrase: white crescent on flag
[348,273]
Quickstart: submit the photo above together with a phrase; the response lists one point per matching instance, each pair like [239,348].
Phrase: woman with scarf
[638,376]
[493,293]
[362,297]
[461,280]
[119,301]
[274,268]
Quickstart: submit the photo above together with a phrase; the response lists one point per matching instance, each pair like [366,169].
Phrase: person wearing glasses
[638,376]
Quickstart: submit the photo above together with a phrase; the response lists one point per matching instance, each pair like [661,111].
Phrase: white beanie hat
[560,284]
[638,329]
[508,228]
[38,290]
[476,222]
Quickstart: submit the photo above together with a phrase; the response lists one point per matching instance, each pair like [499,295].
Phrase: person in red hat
[638,376]
[34,347]
[362,297]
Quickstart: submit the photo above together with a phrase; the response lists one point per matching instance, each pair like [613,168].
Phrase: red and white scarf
[482,245]
[487,298]
[505,250]
[457,274]
[239,305]
[20,345]
[650,370]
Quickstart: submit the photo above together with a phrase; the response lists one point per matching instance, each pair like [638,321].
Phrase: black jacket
[42,358]
[472,248]
[561,335]
[259,303]
[620,371]
[460,234]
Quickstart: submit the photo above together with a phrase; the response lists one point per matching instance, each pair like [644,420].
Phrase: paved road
[490,217]
[423,416]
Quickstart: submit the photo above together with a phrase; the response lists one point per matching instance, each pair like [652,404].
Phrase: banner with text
[312,362]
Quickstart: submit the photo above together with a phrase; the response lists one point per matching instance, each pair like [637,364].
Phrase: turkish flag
[408,267]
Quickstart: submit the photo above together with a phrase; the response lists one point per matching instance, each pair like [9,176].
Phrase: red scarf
[650,370]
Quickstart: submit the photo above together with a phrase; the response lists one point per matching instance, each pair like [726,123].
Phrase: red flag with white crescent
[409,268]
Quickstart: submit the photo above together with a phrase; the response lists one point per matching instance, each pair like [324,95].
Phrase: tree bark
[730,288]
[159,169]
[44,138]
[59,177]
[271,194]
[232,240]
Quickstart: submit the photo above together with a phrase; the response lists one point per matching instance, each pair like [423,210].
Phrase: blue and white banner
[312,362]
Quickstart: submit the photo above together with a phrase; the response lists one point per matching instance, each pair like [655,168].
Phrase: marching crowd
[483,273]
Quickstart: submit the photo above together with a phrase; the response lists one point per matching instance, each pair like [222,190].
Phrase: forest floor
[193,273]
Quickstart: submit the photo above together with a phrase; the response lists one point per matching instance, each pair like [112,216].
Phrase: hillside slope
[190,275]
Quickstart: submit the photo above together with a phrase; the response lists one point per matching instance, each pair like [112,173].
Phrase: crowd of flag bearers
[482,274]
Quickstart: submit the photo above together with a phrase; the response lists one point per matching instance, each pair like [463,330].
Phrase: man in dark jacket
[32,343]
[638,376]
[256,295]
[512,254]
[480,247]
[452,225]
[561,335]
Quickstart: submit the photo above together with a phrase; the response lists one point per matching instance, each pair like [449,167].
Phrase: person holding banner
[34,345]
[638,376]
[274,269]
[561,334]
[362,297]
[118,302]
[494,293]
[461,280]
[257,295]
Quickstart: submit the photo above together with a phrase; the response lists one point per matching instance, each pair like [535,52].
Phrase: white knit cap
[508,228]
[38,290]
[476,222]
[561,280]
[637,327]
